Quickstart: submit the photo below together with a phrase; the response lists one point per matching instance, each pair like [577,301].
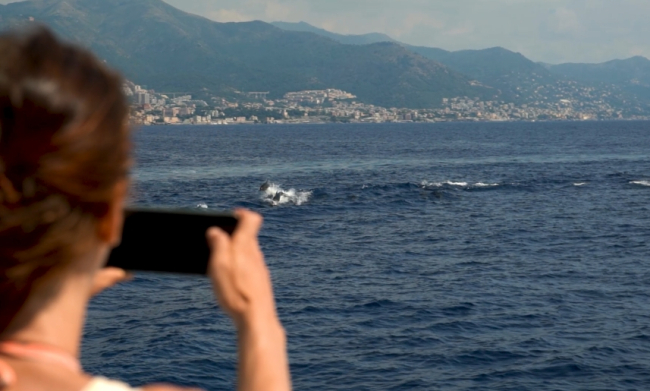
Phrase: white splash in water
[481,184]
[640,183]
[428,185]
[441,184]
[275,195]
[580,184]
[202,205]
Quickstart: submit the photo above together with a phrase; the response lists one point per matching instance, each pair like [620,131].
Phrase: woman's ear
[109,228]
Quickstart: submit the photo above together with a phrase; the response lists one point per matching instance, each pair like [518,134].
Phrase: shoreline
[396,122]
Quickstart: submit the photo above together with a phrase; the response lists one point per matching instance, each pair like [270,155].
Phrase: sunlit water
[406,257]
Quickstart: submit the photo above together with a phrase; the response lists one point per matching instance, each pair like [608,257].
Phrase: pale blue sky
[543,30]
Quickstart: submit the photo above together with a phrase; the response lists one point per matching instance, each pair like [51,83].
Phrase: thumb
[220,245]
[108,277]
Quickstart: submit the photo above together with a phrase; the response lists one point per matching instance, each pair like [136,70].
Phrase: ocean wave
[202,205]
[427,184]
[481,184]
[465,185]
[640,183]
[273,194]
[579,184]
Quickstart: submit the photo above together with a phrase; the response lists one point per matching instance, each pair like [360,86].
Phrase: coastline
[360,122]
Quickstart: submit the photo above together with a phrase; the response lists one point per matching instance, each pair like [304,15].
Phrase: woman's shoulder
[103,384]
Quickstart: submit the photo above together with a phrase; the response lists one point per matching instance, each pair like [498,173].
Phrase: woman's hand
[241,280]
[242,284]
[107,278]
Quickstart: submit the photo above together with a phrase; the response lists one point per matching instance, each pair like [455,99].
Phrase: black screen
[167,240]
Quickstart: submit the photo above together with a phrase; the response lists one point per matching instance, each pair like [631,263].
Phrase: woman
[64,160]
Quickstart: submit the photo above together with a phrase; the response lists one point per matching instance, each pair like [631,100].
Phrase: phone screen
[168,240]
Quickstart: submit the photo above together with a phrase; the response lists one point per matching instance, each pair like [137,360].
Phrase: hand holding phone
[240,277]
[183,242]
[242,284]
[168,240]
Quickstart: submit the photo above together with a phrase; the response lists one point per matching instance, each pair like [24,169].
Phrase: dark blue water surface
[509,256]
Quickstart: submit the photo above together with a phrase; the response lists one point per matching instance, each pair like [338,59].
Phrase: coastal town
[571,103]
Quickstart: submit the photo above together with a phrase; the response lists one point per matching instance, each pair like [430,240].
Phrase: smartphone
[168,240]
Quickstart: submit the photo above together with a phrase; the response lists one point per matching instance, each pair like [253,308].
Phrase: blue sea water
[500,256]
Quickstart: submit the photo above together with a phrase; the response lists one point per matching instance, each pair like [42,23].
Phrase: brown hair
[64,146]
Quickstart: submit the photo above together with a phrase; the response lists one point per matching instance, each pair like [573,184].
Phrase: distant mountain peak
[636,69]
[350,39]
[639,59]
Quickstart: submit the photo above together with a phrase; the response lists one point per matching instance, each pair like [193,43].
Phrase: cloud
[228,15]
[561,23]
[413,22]
[566,21]
[464,30]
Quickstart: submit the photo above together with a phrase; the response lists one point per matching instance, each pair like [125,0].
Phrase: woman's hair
[64,146]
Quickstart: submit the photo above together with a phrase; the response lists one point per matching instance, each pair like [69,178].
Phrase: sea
[445,256]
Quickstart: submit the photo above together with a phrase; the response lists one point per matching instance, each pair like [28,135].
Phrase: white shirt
[103,384]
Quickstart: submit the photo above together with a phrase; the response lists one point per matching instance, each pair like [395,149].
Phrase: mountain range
[512,73]
[166,49]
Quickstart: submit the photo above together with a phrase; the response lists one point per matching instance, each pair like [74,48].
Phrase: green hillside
[516,76]
[632,70]
[520,80]
[489,64]
[513,75]
[631,75]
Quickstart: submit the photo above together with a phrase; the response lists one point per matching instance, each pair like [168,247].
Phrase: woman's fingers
[222,271]
[108,277]
[219,243]
[249,224]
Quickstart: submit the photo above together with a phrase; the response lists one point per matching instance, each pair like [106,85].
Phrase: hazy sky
[543,30]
